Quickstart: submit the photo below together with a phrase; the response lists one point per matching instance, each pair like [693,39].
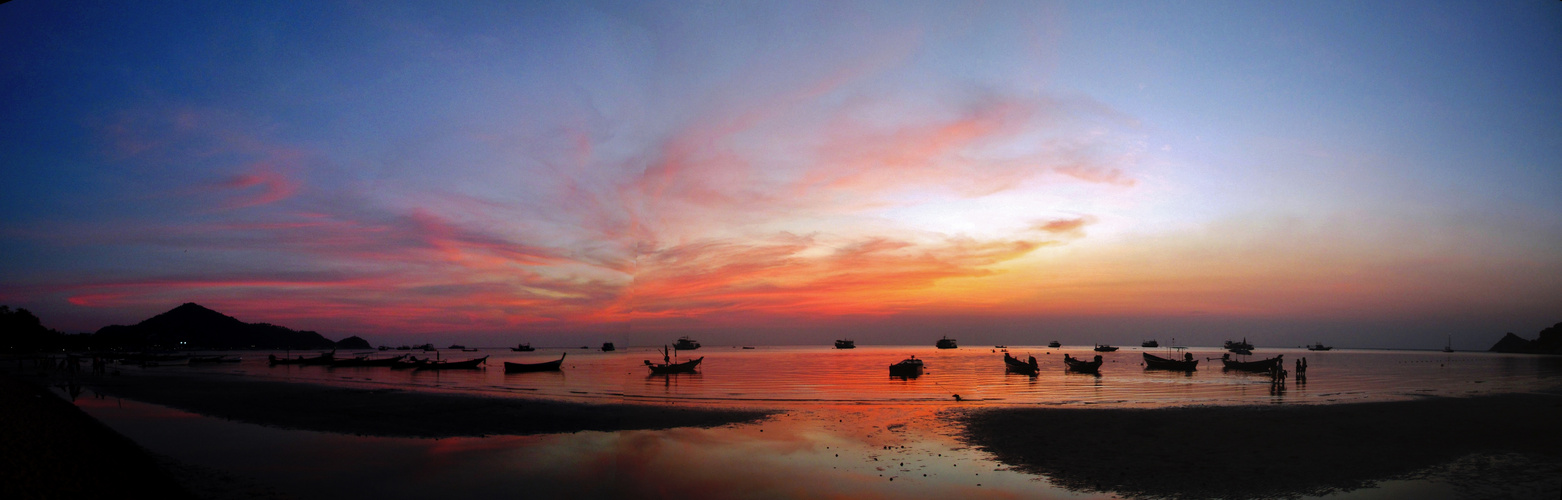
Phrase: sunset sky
[1365,174]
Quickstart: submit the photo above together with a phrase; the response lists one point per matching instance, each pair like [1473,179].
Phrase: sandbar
[1485,446]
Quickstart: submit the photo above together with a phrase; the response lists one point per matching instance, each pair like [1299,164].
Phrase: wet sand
[399,413]
[1486,446]
[51,449]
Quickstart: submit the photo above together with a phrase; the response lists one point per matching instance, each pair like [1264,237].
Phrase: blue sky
[1374,174]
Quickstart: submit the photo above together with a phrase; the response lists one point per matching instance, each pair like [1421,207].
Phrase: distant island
[1549,342]
[189,326]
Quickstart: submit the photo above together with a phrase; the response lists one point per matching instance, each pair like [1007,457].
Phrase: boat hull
[550,366]
[1012,364]
[1154,362]
[1253,366]
[670,368]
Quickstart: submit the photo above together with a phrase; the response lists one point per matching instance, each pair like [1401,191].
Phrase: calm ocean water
[792,376]
[849,429]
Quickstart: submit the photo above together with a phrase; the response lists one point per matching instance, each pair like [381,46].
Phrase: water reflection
[806,375]
[842,452]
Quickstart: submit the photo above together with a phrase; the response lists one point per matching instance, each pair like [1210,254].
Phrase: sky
[1363,174]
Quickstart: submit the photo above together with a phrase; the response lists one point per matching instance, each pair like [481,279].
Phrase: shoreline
[398,412]
[1482,442]
[49,448]
[1484,445]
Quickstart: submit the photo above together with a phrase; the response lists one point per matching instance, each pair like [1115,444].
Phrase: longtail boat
[454,365]
[669,367]
[1187,364]
[323,359]
[1080,365]
[1012,364]
[409,362]
[907,368]
[1252,366]
[550,366]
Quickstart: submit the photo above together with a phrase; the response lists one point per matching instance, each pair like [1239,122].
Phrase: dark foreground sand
[1492,446]
[51,449]
[398,413]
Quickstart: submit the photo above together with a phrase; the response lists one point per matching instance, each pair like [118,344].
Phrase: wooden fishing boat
[908,368]
[550,366]
[391,361]
[668,367]
[1080,365]
[1012,364]
[323,359]
[1186,364]
[523,348]
[349,362]
[946,343]
[1252,366]
[1105,348]
[470,364]
[845,344]
[409,362]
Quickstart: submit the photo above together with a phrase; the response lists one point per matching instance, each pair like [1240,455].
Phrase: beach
[401,413]
[51,449]
[1490,445]
[1486,445]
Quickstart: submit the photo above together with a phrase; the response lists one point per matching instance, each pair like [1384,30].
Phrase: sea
[846,428]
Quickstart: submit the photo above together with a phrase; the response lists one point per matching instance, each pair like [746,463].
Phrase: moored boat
[469,364]
[669,367]
[527,347]
[1263,365]
[1186,364]
[686,344]
[1152,343]
[1054,344]
[1105,348]
[391,361]
[323,359]
[409,362]
[1319,347]
[1080,365]
[946,343]
[550,366]
[909,368]
[1012,364]
[845,344]
[608,347]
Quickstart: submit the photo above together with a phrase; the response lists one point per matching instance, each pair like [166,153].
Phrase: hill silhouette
[1548,342]
[191,326]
